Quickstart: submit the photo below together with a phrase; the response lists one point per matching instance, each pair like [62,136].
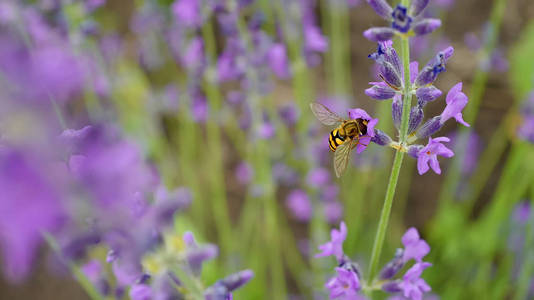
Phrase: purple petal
[382,8]
[380,91]
[414,71]
[357,113]
[417,7]
[422,163]
[379,34]
[426,26]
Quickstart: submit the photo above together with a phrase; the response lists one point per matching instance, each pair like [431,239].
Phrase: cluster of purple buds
[392,86]
[349,283]
[404,20]
[526,129]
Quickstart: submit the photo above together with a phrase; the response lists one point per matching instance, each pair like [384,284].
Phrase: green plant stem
[397,164]
[220,206]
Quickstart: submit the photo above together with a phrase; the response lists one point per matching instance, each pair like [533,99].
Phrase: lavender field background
[151,149]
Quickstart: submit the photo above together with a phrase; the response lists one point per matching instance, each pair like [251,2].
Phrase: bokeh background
[361,190]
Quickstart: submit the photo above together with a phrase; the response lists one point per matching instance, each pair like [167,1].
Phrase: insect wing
[342,155]
[325,115]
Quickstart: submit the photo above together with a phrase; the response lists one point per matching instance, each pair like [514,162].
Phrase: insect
[344,138]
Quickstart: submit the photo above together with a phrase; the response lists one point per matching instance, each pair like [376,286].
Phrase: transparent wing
[325,115]
[342,155]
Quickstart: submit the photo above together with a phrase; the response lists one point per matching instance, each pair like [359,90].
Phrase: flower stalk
[397,163]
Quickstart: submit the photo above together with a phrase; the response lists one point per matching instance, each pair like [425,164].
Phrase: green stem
[220,206]
[397,163]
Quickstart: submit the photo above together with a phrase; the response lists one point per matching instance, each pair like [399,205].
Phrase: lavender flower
[428,155]
[456,101]
[30,206]
[414,246]
[300,205]
[403,20]
[335,245]
[244,173]
[188,12]
[222,289]
[412,285]
[345,285]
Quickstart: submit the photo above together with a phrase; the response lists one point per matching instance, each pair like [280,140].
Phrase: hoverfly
[345,137]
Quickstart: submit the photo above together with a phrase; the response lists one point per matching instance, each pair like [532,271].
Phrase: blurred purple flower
[522,212]
[199,108]
[244,173]
[414,247]
[222,289]
[278,60]
[140,292]
[188,12]
[345,285]
[318,177]
[413,286]
[300,205]
[335,245]
[333,211]
[314,40]
[289,114]
[429,155]
[29,206]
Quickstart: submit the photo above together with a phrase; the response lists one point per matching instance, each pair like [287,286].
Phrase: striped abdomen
[335,139]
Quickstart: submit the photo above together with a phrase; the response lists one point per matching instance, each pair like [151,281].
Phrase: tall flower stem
[397,163]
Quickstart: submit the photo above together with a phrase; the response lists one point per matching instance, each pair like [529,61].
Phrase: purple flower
[345,285]
[188,12]
[431,70]
[200,109]
[140,292]
[429,155]
[300,205]
[222,289]
[278,61]
[456,101]
[413,286]
[314,40]
[414,247]
[333,211]
[289,114]
[29,206]
[244,173]
[358,113]
[318,177]
[335,245]
[402,19]
[522,212]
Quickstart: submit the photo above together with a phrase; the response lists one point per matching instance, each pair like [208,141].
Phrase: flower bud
[237,280]
[426,26]
[379,34]
[392,286]
[396,110]
[429,128]
[380,91]
[427,94]
[416,116]
[381,138]
[394,266]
